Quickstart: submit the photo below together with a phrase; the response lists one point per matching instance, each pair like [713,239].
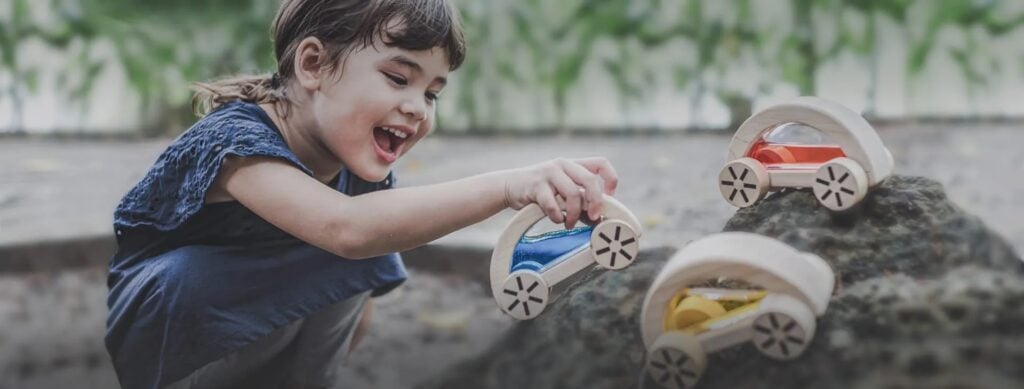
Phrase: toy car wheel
[676,360]
[840,184]
[743,182]
[524,295]
[614,244]
[784,329]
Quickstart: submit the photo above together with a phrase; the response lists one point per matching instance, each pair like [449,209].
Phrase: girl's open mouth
[388,143]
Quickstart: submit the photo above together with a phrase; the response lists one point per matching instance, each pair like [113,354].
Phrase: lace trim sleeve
[176,186]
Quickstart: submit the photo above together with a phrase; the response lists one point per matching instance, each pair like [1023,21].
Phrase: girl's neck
[310,150]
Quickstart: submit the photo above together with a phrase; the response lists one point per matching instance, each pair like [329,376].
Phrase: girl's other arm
[401,219]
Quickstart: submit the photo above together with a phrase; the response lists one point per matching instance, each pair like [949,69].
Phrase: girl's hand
[562,185]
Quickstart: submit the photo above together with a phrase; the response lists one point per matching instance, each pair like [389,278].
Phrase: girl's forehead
[397,32]
[433,61]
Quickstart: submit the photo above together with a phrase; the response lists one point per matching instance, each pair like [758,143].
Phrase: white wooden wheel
[676,360]
[840,184]
[523,295]
[784,328]
[743,182]
[614,244]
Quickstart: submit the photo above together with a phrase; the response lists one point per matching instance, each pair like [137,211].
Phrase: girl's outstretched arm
[401,219]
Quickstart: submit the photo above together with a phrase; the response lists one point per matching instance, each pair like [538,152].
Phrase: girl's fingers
[592,185]
[546,201]
[570,192]
[604,169]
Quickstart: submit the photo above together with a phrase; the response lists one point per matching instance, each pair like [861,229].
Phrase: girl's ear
[309,57]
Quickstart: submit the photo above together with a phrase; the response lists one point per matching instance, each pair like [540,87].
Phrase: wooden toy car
[525,268]
[726,289]
[806,142]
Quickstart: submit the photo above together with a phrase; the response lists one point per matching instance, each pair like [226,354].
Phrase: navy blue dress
[192,282]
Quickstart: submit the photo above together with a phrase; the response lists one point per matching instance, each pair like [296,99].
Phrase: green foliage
[543,47]
[157,44]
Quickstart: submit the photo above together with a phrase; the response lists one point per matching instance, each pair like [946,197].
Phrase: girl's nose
[417,110]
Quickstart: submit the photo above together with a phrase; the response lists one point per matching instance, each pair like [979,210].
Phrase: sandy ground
[52,328]
[51,325]
[52,190]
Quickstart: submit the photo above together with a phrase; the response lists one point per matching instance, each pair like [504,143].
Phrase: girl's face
[378,105]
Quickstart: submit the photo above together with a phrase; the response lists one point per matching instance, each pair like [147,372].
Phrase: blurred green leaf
[514,45]
[31,79]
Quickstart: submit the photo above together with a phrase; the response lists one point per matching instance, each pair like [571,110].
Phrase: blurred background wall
[123,67]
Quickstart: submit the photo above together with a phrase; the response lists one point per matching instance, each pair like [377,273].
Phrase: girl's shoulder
[176,185]
[238,127]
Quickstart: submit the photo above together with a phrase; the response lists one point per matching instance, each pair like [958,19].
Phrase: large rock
[906,225]
[928,297]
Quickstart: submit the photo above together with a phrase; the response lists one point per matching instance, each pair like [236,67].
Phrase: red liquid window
[776,154]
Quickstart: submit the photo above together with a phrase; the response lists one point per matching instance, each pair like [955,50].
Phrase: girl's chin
[375,173]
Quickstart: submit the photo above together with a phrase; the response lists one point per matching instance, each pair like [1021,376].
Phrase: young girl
[248,252]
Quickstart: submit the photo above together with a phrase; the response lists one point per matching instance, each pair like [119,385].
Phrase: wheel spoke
[745,198]
[732,173]
[628,241]
[775,322]
[831,174]
[604,250]
[743,177]
[727,183]
[789,326]
[664,377]
[793,339]
[682,359]
[511,292]
[605,237]
[679,381]
[847,191]
[618,231]
[625,254]
[532,287]
[823,182]
[844,177]
[519,280]
[733,195]
[827,193]
[839,201]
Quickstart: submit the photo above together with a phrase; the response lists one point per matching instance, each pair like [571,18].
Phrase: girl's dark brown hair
[342,26]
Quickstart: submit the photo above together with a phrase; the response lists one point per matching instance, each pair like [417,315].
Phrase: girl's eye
[431,96]
[396,79]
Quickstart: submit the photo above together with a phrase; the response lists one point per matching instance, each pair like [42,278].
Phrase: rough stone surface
[929,298]
[905,225]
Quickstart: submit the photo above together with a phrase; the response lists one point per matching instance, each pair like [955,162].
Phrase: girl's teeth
[397,133]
